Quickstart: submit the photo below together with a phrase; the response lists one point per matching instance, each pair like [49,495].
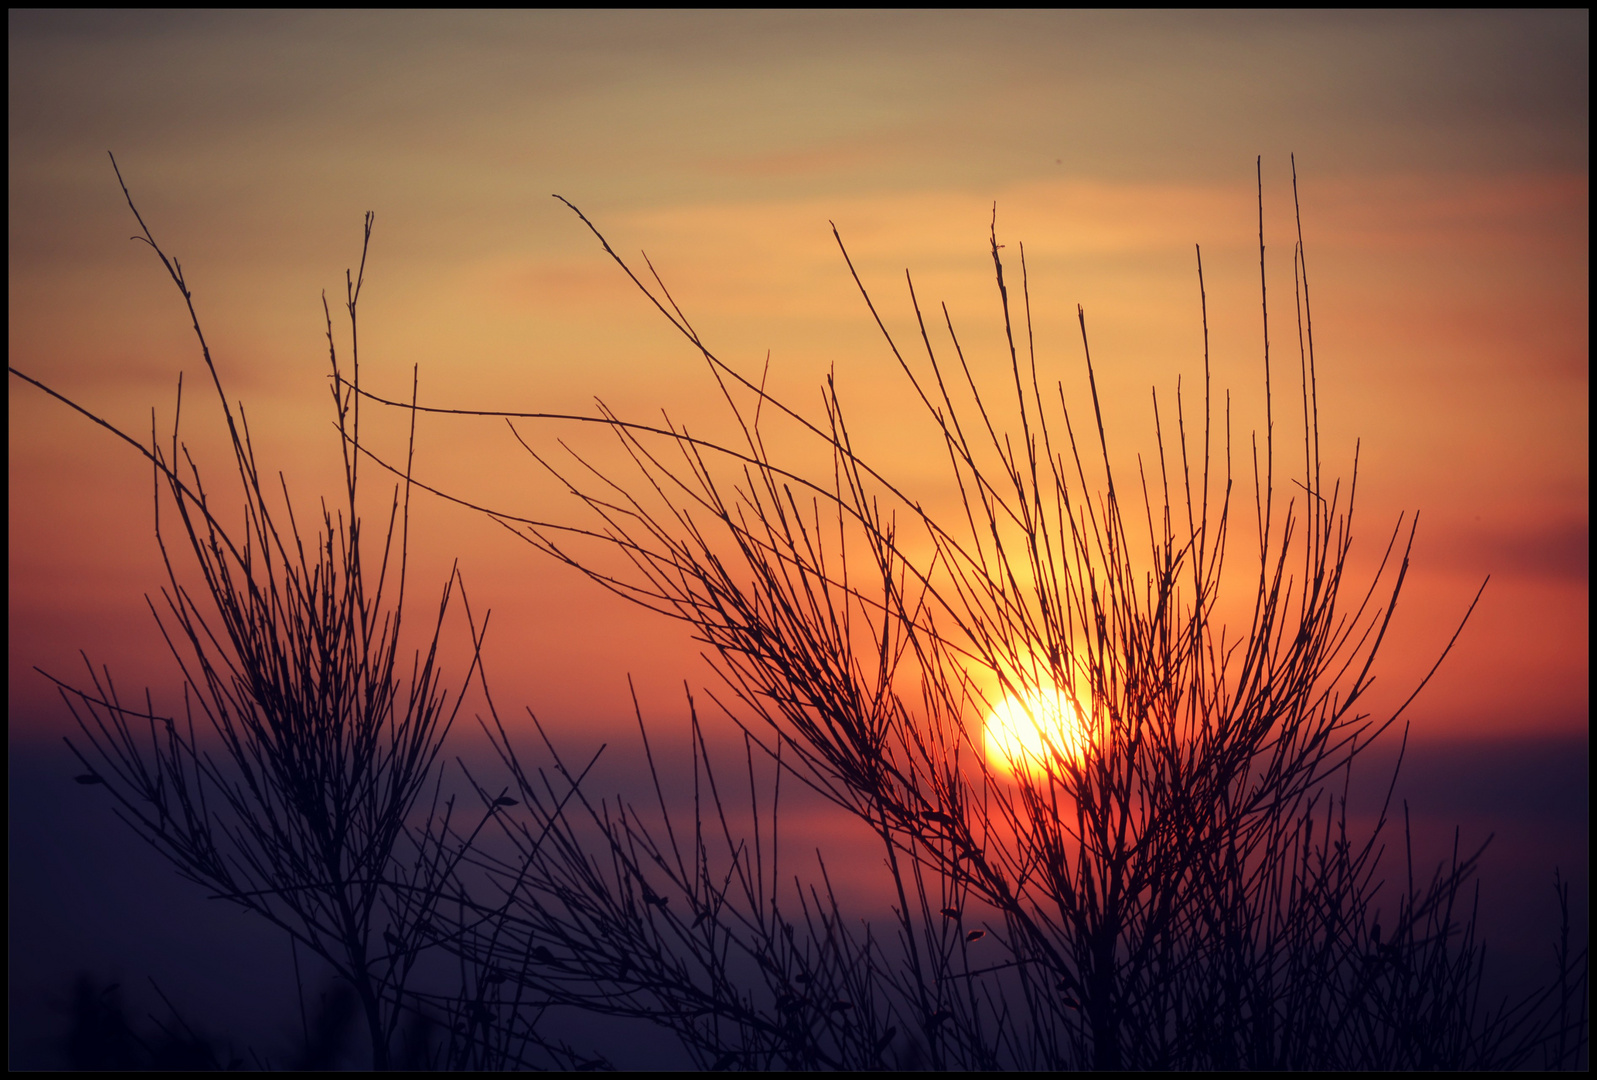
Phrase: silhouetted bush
[296,781]
[1167,881]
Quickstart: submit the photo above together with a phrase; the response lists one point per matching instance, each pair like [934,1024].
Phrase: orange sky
[1443,170]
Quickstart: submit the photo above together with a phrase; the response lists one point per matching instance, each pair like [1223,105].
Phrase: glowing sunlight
[1040,727]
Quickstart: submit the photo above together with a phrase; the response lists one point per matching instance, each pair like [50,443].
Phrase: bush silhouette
[302,780]
[1165,878]
[1161,875]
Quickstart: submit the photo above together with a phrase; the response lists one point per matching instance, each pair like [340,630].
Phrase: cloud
[1556,549]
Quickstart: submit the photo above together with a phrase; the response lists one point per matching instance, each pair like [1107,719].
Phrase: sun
[1029,732]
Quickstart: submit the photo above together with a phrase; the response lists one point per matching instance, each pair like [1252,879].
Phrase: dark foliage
[1167,881]
[1164,877]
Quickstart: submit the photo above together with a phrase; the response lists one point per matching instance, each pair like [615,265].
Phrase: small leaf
[505,800]
[940,818]
[886,1040]
[975,935]
[938,1017]
[802,977]
[543,955]
[950,913]
[88,778]
[841,1006]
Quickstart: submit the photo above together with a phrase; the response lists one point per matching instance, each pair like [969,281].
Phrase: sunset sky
[1442,163]
[1443,181]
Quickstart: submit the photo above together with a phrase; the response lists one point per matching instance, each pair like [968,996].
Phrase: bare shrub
[1167,879]
[1163,876]
[301,780]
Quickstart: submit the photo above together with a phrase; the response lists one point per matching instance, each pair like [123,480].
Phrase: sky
[1442,167]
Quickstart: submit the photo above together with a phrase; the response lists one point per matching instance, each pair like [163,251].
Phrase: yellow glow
[1028,733]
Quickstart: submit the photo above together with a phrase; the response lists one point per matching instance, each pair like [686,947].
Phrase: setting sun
[1042,726]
